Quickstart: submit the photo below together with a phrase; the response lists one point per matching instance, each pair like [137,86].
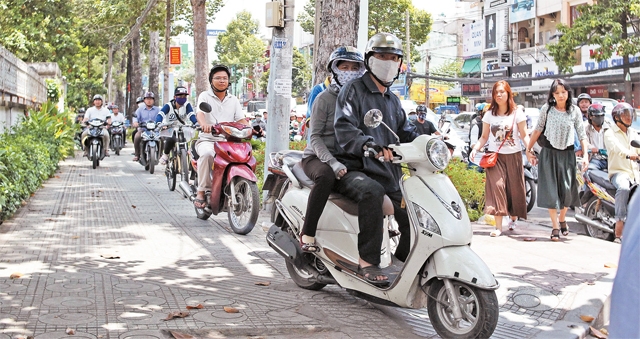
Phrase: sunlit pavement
[111,252]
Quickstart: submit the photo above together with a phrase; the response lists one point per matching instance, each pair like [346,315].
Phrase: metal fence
[19,83]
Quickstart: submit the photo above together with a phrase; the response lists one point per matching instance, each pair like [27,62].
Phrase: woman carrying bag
[503,127]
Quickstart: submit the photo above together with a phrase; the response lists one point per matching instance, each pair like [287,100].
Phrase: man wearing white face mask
[367,179]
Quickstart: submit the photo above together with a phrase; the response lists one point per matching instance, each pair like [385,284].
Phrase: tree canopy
[605,24]
[301,74]
[239,47]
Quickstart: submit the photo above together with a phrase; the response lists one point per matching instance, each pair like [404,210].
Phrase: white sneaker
[512,225]
[163,159]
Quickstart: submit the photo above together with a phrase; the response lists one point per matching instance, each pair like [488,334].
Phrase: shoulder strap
[175,111]
[510,132]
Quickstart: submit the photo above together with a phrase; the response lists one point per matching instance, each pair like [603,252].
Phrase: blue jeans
[622,182]
[598,164]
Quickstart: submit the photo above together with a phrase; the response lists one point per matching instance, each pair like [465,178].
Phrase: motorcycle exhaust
[285,245]
[185,188]
[584,220]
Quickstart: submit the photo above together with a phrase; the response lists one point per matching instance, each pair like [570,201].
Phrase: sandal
[200,203]
[555,234]
[135,159]
[617,240]
[309,247]
[371,273]
[564,228]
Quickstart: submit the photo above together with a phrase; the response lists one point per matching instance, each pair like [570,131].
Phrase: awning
[471,66]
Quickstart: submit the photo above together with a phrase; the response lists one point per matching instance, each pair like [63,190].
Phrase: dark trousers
[137,139]
[369,194]
[169,143]
[324,179]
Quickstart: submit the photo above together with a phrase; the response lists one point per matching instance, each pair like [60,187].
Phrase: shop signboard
[490,33]
[521,10]
[472,34]
[470,90]
[520,75]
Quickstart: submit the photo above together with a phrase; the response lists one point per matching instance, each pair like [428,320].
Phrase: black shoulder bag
[542,139]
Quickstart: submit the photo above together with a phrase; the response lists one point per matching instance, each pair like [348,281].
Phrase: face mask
[345,76]
[384,70]
[258,118]
[181,101]
[422,116]
[597,121]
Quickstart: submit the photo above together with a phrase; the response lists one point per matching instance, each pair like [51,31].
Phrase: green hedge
[30,153]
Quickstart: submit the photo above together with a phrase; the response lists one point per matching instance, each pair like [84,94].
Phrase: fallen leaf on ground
[75,237]
[177,314]
[199,306]
[110,256]
[597,333]
[530,239]
[587,318]
[230,309]
[70,331]
[134,206]
[263,283]
[591,283]
[15,275]
[610,265]
[49,219]
[180,335]
[57,177]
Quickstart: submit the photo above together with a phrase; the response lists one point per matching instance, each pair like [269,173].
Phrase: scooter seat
[601,178]
[346,204]
[290,157]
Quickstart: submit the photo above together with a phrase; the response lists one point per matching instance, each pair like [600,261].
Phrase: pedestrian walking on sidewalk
[559,122]
[503,127]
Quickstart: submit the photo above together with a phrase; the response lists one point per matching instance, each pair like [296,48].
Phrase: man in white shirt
[595,136]
[117,117]
[98,111]
[225,108]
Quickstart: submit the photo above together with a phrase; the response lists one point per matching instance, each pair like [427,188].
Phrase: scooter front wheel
[244,214]
[479,310]
[530,189]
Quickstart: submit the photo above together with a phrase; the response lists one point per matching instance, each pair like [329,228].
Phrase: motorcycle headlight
[438,153]
[151,125]
[237,133]
[95,122]
[425,220]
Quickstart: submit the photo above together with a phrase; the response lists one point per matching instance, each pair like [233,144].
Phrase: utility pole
[427,91]
[316,40]
[110,73]
[407,58]
[279,88]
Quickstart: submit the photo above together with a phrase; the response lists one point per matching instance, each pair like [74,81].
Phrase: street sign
[175,56]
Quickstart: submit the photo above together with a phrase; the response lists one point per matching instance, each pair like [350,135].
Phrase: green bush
[470,186]
[30,152]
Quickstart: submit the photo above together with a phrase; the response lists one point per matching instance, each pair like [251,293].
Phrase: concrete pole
[427,58]
[363,25]
[279,88]
[109,73]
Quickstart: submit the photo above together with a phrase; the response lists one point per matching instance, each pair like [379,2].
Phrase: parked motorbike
[530,181]
[233,187]
[598,202]
[178,162]
[441,273]
[150,146]
[93,141]
[117,136]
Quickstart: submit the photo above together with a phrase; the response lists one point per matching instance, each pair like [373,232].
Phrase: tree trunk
[200,50]
[628,88]
[121,100]
[167,44]
[335,31]
[136,72]
[154,70]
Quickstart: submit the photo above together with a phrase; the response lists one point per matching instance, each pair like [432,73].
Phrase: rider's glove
[371,149]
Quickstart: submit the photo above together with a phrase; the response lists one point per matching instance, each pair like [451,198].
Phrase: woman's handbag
[542,139]
[491,159]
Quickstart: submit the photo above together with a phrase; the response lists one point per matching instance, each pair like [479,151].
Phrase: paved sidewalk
[60,242]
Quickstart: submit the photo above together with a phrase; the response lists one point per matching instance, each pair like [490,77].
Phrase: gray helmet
[150,95]
[584,96]
[139,100]
[97,97]
[383,43]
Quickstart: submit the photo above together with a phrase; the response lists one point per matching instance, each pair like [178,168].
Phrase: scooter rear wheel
[479,308]
[592,213]
[301,278]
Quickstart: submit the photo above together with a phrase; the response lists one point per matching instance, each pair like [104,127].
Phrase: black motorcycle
[117,136]
[150,146]
[178,162]
[93,141]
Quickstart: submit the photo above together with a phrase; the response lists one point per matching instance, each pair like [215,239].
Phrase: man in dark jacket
[368,179]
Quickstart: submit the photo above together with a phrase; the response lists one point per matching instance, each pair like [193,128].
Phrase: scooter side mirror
[635,143]
[373,118]
[205,107]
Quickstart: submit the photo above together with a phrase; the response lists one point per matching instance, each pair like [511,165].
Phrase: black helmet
[620,109]
[346,53]
[421,109]
[595,109]
[97,97]
[218,68]
[180,90]
[81,110]
[139,100]
[150,95]
[584,96]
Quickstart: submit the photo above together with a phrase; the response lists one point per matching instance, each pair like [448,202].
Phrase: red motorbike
[233,187]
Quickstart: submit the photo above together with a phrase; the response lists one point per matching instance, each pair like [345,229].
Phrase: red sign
[175,56]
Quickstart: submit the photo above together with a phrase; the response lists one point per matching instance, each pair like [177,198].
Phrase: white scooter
[441,272]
